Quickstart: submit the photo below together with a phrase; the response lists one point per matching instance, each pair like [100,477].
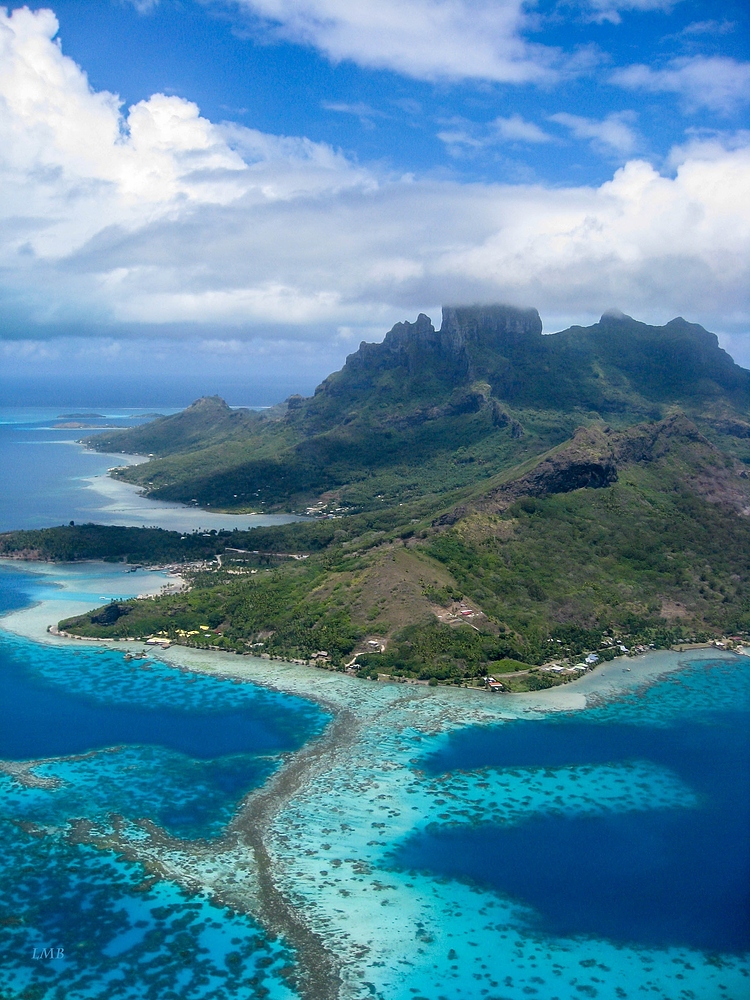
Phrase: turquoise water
[118,742]
[456,845]
[49,479]
[58,702]
[353,848]
[122,934]
[675,876]
[664,875]
[181,752]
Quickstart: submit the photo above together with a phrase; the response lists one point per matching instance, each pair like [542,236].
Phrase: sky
[202,196]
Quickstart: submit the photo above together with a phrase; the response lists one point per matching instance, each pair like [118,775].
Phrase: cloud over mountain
[156,215]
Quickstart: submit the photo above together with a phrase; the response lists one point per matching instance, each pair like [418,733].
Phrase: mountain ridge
[486,390]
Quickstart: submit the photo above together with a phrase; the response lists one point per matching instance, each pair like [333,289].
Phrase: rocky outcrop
[595,454]
[491,326]
[110,614]
[589,460]
[735,428]
[586,461]
[648,442]
[463,328]
[405,344]
[469,400]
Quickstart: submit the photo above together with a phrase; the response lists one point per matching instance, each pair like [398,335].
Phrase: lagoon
[108,740]
[435,843]
[661,877]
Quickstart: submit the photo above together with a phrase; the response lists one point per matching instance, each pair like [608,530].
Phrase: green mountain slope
[539,568]
[207,422]
[432,411]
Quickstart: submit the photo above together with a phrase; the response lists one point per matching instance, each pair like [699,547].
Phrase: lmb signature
[48,953]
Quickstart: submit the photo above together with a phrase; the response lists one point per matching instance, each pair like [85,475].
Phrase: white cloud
[711,27]
[425,39]
[360,109]
[162,219]
[144,6]
[716,82]
[72,161]
[707,144]
[269,302]
[461,136]
[653,242]
[516,129]
[610,10]
[364,112]
[611,133]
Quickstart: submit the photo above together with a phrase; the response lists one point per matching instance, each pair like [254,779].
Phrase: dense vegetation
[553,577]
[474,530]
[70,543]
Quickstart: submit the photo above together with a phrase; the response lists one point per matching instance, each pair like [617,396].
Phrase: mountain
[434,411]
[503,501]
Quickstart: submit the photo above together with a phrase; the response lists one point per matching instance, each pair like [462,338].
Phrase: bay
[48,478]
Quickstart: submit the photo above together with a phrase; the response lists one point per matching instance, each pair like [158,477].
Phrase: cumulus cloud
[74,161]
[158,218]
[707,144]
[612,133]
[425,39]
[716,82]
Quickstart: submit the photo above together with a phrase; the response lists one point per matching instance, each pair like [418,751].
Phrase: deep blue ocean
[659,877]
[141,741]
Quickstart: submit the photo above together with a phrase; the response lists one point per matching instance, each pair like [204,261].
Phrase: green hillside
[615,538]
[504,503]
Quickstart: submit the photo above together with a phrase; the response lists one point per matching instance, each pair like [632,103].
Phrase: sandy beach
[72,588]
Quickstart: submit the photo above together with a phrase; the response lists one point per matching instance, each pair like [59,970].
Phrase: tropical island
[478,502]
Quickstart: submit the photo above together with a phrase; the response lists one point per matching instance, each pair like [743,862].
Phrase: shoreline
[608,680]
[66,599]
[126,503]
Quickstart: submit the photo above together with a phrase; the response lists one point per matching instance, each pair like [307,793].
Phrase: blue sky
[235,193]
[230,63]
